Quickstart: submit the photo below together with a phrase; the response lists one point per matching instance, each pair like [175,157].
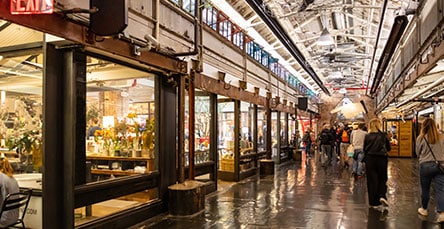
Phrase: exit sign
[32,6]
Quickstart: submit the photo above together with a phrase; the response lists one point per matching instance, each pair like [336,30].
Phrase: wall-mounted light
[196,65]
[242,84]
[221,79]
[275,102]
[256,90]
[221,76]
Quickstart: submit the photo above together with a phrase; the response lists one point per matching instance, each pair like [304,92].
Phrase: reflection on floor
[303,194]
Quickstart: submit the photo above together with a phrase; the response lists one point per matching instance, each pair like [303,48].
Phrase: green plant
[92,113]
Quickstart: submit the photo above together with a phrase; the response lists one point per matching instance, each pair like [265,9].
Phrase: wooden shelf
[112,172]
[119,166]
[108,158]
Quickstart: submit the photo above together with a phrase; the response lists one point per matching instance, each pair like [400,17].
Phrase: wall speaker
[302,103]
[111,17]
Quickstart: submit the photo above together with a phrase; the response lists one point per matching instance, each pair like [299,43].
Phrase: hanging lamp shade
[325,38]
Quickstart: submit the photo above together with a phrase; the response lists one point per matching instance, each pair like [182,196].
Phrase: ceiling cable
[381,21]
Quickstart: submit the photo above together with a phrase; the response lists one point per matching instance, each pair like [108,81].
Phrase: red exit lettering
[32,6]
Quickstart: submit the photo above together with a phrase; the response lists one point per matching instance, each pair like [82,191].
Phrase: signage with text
[32,6]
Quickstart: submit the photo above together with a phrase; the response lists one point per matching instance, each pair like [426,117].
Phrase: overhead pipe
[375,48]
[197,23]
[398,28]
[276,28]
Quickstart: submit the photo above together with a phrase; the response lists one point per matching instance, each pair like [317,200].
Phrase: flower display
[25,135]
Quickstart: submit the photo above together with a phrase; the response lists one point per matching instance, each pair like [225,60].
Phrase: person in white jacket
[357,140]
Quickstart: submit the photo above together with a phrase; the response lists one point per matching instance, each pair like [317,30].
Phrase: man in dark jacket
[326,141]
[307,142]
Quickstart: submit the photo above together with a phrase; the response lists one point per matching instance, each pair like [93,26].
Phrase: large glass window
[282,133]
[274,134]
[225,28]
[261,129]
[21,110]
[226,136]
[246,125]
[250,48]
[21,101]
[120,133]
[238,39]
[202,129]
[246,139]
[292,130]
[209,17]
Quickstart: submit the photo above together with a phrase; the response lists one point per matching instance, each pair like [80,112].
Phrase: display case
[261,133]
[237,157]
[247,154]
[119,166]
[226,138]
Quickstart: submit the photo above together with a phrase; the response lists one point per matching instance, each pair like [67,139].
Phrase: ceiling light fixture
[325,39]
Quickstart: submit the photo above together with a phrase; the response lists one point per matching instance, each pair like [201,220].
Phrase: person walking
[429,148]
[357,140]
[376,146]
[345,142]
[307,142]
[325,142]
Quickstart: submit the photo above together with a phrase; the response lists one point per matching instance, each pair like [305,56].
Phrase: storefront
[401,134]
[204,149]
[86,122]
[242,130]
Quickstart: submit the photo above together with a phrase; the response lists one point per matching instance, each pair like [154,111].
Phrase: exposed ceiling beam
[259,7]
[364,21]
[338,7]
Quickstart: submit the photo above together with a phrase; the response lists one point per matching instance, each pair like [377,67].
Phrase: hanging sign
[32,6]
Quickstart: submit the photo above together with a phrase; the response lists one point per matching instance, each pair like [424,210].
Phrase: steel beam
[58,25]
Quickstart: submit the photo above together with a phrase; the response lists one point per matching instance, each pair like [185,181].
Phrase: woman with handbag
[429,145]
[376,146]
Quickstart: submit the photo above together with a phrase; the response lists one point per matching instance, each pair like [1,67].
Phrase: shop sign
[32,6]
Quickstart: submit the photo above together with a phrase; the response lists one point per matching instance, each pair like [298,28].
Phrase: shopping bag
[350,150]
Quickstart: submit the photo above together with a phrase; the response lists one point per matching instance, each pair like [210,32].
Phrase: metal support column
[59,134]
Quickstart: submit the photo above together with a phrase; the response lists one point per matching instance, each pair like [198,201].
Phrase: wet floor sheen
[307,195]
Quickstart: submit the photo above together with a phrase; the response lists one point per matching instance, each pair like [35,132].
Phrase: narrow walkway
[306,195]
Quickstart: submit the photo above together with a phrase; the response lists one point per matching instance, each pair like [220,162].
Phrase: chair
[14,201]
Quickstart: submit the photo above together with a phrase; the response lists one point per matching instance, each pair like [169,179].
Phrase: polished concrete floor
[303,194]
